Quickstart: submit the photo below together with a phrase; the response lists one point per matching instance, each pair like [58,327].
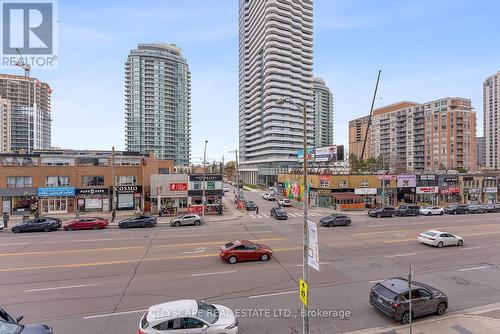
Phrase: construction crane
[20,63]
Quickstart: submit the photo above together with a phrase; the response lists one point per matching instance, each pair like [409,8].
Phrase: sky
[426,49]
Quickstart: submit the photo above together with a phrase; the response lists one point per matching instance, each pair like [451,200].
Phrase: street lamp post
[203,199]
[237,173]
[305,267]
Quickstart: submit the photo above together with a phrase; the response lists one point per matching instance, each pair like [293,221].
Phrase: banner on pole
[313,246]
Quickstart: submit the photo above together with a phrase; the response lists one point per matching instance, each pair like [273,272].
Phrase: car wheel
[95,227]
[441,213]
[393,215]
[347,223]
[46,228]
[440,244]
[460,242]
[70,228]
[232,259]
[147,224]
[16,230]
[455,212]
[405,318]
[379,215]
[177,224]
[429,213]
[441,309]
[124,226]
[197,223]
[264,257]
[330,224]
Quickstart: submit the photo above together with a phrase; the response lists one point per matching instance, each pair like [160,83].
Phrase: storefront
[320,197]
[406,185]
[490,189]
[369,196]
[19,200]
[171,192]
[213,188]
[427,189]
[472,195]
[449,189]
[347,201]
[56,200]
[128,197]
[92,199]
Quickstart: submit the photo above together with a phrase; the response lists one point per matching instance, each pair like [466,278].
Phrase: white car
[431,210]
[439,238]
[188,316]
[285,202]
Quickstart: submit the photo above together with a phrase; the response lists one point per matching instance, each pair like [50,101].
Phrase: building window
[183,202]
[121,161]
[18,161]
[19,181]
[324,183]
[88,181]
[126,181]
[342,184]
[365,184]
[58,161]
[91,161]
[57,181]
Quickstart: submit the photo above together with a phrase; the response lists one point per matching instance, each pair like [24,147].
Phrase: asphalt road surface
[102,281]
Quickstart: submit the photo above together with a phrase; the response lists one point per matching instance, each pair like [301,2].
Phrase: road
[103,281]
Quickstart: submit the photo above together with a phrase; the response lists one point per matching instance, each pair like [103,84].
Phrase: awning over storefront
[346,196]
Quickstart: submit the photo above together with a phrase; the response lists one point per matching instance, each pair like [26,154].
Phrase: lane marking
[62,287]
[214,243]
[401,255]
[106,263]
[474,268]
[187,235]
[466,248]
[213,273]
[16,244]
[462,235]
[441,229]
[72,251]
[273,294]
[87,240]
[113,314]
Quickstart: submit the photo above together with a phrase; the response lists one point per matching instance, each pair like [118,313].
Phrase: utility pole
[410,277]
[383,181]
[203,199]
[237,173]
[113,191]
[305,266]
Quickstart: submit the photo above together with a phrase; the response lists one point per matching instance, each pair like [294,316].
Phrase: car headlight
[233,325]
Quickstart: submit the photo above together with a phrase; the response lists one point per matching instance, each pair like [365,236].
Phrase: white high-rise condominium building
[491,121]
[323,114]
[276,58]
[158,102]
[5,123]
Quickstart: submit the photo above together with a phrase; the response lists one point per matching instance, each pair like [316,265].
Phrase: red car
[244,250]
[86,223]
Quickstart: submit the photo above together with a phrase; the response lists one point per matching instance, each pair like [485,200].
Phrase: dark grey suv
[391,298]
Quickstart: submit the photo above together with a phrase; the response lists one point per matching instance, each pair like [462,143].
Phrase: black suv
[391,298]
[408,210]
[456,208]
[387,211]
[335,220]
[279,213]
[9,325]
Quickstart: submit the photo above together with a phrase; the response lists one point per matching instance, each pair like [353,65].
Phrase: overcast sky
[426,50]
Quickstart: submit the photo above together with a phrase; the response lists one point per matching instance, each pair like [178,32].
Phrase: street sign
[313,258]
[303,291]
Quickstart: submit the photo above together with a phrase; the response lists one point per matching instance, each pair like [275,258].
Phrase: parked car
[250,205]
[335,220]
[269,197]
[86,223]
[188,316]
[57,220]
[431,210]
[391,298]
[189,219]
[476,208]
[387,211]
[43,224]
[138,221]
[225,189]
[490,208]
[439,239]
[408,210]
[456,209]
[285,202]
[244,250]
[279,213]
[10,326]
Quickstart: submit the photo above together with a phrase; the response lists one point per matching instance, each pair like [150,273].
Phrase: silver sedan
[439,238]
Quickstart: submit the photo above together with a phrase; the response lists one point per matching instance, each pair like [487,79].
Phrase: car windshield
[430,234]
[9,328]
[229,244]
[384,292]
[280,211]
[207,312]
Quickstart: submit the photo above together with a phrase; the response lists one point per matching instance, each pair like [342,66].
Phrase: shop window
[324,183]
[19,181]
[183,202]
[342,184]
[126,181]
[88,181]
[57,181]
[58,161]
[365,184]
[197,185]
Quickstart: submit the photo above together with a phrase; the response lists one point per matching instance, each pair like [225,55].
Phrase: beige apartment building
[420,137]
[491,121]
[5,124]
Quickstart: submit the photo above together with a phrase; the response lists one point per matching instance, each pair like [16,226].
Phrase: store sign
[474,190]
[18,192]
[427,190]
[92,191]
[450,190]
[182,186]
[430,177]
[128,189]
[324,192]
[490,190]
[52,192]
[385,177]
[365,191]
[406,181]
[326,154]
[208,177]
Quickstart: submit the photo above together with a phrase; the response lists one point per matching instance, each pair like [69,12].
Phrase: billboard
[322,154]
[310,154]
[326,154]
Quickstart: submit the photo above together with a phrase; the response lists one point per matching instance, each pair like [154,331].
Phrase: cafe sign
[490,190]
[180,186]
[427,190]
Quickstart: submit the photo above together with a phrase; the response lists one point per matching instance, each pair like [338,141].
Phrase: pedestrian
[77,214]
[256,209]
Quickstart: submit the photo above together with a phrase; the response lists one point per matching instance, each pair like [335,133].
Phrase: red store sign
[450,190]
[178,186]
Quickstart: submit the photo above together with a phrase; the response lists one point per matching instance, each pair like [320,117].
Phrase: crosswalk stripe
[312,214]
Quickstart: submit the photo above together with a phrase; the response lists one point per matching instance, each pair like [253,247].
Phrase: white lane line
[272,294]
[401,255]
[16,244]
[212,273]
[61,287]
[87,240]
[113,314]
[312,214]
[466,248]
[187,235]
[474,268]
[376,281]
[262,231]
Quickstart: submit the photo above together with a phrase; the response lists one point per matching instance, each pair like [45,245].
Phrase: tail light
[395,305]
[141,332]
[431,238]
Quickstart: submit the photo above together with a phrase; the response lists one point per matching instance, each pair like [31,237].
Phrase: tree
[370,165]
[230,170]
